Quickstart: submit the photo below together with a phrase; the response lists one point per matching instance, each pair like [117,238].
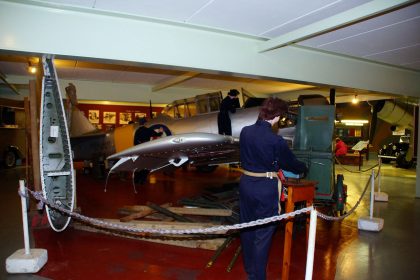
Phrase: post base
[19,262]
[370,224]
[381,196]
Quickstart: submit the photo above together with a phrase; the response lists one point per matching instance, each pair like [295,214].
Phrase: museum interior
[84,198]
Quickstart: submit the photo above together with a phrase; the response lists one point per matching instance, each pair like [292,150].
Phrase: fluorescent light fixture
[354,122]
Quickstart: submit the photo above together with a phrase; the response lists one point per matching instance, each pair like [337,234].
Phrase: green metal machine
[313,145]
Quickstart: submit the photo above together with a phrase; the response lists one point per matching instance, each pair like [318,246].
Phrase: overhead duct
[402,119]
[395,115]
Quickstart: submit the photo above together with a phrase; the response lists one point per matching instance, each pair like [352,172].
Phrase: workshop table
[297,191]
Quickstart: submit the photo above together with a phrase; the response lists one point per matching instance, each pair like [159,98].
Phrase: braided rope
[352,171]
[331,218]
[104,224]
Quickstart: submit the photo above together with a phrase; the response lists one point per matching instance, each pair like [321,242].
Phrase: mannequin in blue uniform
[262,151]
[144,134]
[228,104]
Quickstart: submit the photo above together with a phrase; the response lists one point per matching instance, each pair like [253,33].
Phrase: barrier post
[380,196]
[370,223]
[311,245]
[26,260]
[372,193]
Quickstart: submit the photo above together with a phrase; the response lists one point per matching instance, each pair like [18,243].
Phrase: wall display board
[109,116]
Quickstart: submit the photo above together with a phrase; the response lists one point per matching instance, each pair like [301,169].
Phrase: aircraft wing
[195,148]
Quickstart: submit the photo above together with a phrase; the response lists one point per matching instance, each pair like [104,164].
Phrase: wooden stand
[297,192]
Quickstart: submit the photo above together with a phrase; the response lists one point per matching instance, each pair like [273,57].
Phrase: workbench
[297,191]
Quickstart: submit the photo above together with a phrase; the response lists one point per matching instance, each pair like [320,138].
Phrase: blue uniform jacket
[263,151]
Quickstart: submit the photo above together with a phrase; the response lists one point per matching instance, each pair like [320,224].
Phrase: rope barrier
[104,224]
[98,222]
[331,218]
[352,171]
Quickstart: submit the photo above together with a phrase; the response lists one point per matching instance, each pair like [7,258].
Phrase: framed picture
[110,117]
[94,116]
[125,118]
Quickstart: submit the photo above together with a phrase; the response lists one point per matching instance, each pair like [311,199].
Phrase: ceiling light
[355,100]
[32,69]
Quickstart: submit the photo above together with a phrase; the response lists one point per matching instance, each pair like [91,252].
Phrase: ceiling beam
[174,81]
[343,19]
[12,87]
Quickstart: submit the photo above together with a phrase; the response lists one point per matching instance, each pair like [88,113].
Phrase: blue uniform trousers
[258,199]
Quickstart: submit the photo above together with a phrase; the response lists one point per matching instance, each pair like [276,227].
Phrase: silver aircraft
[190,137]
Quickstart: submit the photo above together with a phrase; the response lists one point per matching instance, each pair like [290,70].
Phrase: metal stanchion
[370,223]
[26,260]
[380,196]
[311,246]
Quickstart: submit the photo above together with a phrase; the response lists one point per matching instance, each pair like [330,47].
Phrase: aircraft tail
[77,122]
[80,125]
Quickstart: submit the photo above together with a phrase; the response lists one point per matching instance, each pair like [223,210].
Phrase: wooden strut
[182,210]
[33,104]
[145,212]
[235,257]
[213,241]
[220,250]
[175,240]
[169,213]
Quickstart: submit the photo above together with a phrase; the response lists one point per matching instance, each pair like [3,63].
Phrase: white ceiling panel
[406,16]
[80,3]
[392,38]
[311,11]
[406,57]
[254,17]
[179,10]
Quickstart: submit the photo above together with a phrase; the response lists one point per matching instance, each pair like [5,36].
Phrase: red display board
[108,117]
